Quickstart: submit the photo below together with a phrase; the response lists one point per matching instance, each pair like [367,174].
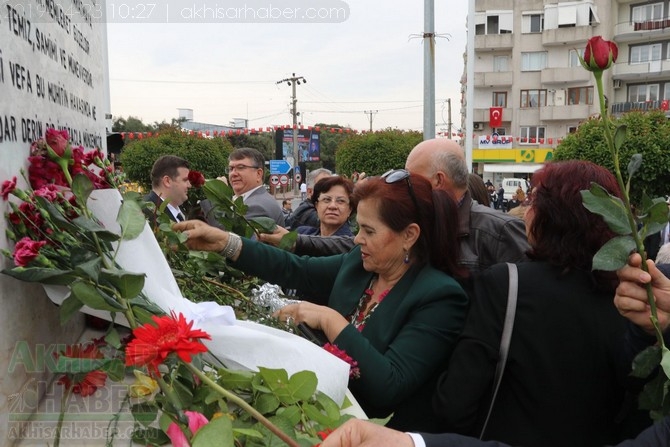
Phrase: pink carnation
[8,186]
[26,250]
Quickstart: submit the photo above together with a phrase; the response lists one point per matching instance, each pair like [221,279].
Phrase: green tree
[130,124]
[329,143]
[264,142]
[648,134]
[376,153]
[207,155]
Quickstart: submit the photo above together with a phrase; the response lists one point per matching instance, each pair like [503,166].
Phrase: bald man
[486,236]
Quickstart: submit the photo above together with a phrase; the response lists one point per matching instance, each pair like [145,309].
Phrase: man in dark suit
[169,183]
[245,176]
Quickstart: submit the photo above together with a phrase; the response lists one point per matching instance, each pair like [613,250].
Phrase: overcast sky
[371,61]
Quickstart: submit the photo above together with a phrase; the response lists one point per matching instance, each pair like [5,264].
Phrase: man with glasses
[487,237]
[245,176]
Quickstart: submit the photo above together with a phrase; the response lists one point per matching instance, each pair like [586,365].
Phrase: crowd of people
[418,297]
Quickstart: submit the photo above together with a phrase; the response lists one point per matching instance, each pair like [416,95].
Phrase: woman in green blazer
[391,303]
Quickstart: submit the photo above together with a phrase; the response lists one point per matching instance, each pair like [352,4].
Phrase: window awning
[513,167]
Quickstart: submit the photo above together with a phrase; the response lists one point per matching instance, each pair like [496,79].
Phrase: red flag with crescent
[495,116]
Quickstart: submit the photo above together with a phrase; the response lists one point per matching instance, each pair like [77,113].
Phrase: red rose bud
[196,179]
[599,54]
[57,140]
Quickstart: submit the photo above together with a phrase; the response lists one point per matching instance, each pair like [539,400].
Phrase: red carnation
[26,250]
[196,179]
[154,343]
[84,384]
[8,186]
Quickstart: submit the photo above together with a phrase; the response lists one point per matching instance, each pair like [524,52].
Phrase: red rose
[196,179]
[57,140]
[8,186]
[599,54]
[26,250]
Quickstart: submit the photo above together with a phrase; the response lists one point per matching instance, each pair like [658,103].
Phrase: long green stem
[67,391]
[242,404]
[607,128]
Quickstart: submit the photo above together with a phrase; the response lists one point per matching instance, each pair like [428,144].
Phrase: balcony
[565,113]
[623,107]
[641,72]
[642,31]
[494,79]
[482,115]
[564,75]
[566,36]
[494,42]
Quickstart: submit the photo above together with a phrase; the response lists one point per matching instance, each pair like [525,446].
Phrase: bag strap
[505,338]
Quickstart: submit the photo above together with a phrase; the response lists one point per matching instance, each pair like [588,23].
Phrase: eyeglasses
[396,175]
[239,168]
[327,200]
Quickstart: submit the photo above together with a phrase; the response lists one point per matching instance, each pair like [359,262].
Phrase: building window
[666,90]
[572,129]
[533,61]
[573,57]
[580,95]
[647,13]
[533,98]
[531,134]
[642,93]
[499,99]
[500,63]
[499,130]
[497,23]
[644,53]
[532,23]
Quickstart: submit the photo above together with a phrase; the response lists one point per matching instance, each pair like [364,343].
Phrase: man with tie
[169,182]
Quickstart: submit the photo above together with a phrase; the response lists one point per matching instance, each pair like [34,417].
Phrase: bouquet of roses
[183,396]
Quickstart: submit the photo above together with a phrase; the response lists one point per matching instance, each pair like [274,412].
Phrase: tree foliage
[207,155]
[648,134]
[330,142]
[376,153]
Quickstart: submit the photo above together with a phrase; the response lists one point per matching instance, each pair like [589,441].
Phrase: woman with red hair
[563,383]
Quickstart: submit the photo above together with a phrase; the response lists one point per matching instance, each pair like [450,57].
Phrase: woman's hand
[273,238]
[631,294]
[317,317]
[201,236]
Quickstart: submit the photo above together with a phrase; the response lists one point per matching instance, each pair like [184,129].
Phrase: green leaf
[90,268]
[266,403]
[634,164]
[69,307]
[42,275]
[303,384]
[94,297]
[264,224]
[269,438]
[613,255]
[288,241]
[619,139]
[248,432]
[611,208]
[151,436]
[665,361]
[654,392]
[82,187]
[76,365]
[646,362]
[315,414]
[128,284]
[218,432]
[235,380]
[115,369]
[655,217]
[274,378]
[292,413]
[131,219]
[144,413]
[329,405]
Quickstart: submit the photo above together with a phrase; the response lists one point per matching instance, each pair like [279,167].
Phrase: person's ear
[412,233]
[441,181]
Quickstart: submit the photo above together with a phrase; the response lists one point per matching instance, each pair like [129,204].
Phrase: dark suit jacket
[564,383]
[406,340]
[655,436]
[155,198]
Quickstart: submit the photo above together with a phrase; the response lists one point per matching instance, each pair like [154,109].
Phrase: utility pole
[449,117]
[371,112]
[429,69]
[293,81]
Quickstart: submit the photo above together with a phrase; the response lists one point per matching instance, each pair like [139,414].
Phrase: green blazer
[406,341]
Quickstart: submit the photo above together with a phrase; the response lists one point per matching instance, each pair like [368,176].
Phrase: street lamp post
[293,81]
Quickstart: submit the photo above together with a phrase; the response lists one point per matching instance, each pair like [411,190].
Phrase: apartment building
[530,90]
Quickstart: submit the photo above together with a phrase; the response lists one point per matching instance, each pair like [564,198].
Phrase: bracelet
[232,246]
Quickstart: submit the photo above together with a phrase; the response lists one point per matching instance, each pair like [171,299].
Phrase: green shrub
[376,153]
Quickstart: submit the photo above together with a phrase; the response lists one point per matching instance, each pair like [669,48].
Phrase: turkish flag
[495,116]
[664,104]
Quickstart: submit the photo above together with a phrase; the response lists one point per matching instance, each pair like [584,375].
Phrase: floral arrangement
[631,227]
[181,393]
